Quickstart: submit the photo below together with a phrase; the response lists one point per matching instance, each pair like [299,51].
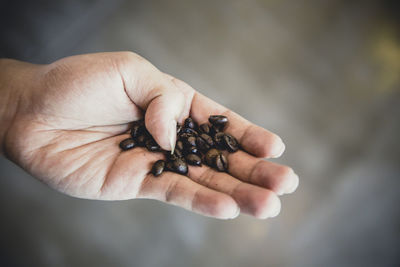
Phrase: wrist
[14,88]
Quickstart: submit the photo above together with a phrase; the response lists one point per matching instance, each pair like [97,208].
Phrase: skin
[62,123]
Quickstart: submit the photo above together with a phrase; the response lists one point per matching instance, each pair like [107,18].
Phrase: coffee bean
[189,123]
[152,145]
[202,144]
[219,121]
[180,166]
[178,153]
[127,144]
[169,156]
[211,155]
[141,139]
[193,159]
[190,141]
[213,131]
[169,166]
[192,150]
[221,163]
[230,142]
[208,139]
[204,128]
[195,145]
[137,128]
[158,167]
[189,131]
[219,140]
[179,145]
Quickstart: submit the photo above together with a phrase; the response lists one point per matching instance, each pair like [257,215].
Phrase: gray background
[325,75]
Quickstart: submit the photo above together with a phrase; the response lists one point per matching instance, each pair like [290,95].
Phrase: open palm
[69,124]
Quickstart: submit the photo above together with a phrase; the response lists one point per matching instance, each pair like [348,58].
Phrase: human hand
[73,113]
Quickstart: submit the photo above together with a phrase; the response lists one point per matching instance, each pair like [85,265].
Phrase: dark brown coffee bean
[190,141]
[189,123]
[180,166]
[193,159]
[137,128]
[169,166]
[179,145]
[158,167]
[204,128]
[170,157]
[178,153]
[219,121]
[230,142]
[213,131]
[189,131]
[191,150]
[208,139]
[141,140]
[152,145]
[127,144]
[219,140]
[221,163]
[202,144]
[211,156]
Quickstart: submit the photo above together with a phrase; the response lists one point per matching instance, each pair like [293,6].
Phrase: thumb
[165,105]
[165,99]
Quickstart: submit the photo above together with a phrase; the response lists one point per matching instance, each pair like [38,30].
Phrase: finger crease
[245,133]
[194,198]
[252,175]
[170,190]
[207,177]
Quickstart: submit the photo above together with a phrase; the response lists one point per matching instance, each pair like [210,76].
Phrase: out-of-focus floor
[325,75]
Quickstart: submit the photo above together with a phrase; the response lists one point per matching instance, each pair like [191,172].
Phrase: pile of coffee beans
[195,145]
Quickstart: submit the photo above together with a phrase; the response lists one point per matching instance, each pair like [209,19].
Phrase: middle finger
[247,168]
[254,200]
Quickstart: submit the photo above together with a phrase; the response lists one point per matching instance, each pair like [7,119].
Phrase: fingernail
[172,135]
[276,209]
[277,148]
[294,185]
[236,214]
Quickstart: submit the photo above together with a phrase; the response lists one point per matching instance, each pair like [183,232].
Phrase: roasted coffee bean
[211,156]
[190,141]
[180,166]
[189,123]
[179,145]
[221,163]
[169,156]
[192,150]
[152,145]
[230,142]
[127,144]
[158,167]
[189,131]
[193,159]
[204,128]
[137,128]
[219,121]
[195,145]
[213,131]
[169,166]
[141,139]
[219,140]
[208,139]
[178,153]
[202,144]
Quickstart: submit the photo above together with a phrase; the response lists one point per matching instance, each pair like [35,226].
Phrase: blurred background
[324,75]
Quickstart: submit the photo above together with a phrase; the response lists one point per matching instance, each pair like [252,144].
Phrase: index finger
[252,138]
